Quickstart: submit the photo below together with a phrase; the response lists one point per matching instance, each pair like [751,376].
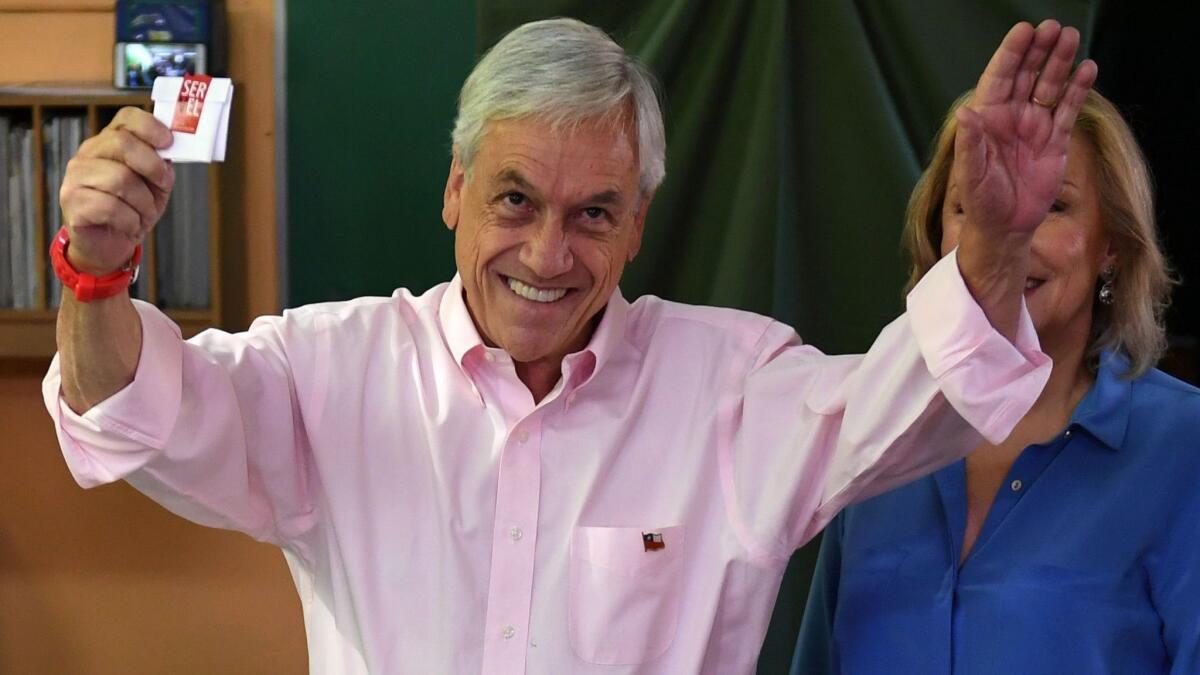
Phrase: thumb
[970,147]
[162,193]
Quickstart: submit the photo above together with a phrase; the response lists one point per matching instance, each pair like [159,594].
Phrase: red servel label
[190,103]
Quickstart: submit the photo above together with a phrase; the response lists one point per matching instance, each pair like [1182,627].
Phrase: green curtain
[795,132]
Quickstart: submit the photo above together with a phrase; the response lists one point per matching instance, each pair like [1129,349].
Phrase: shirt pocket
[623,604]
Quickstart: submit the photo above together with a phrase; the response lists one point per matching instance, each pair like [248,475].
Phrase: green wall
[371,93]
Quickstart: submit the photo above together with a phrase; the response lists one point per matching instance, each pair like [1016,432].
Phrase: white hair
[564,72]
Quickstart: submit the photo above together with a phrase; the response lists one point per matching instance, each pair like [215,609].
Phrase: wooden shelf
[29,333]
[71,96]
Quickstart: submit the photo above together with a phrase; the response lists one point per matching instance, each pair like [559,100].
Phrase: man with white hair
[520,471]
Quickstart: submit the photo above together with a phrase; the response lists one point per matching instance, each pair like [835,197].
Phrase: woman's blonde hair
[1133,323]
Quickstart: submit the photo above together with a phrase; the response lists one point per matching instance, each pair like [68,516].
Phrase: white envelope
[208,143]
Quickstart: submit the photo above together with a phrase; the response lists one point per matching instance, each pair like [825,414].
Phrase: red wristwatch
[88,287]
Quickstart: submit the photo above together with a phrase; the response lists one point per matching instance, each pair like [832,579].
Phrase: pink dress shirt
[437,520]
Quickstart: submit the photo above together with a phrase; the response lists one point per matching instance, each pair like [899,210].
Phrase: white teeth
[535,294]
[1032,283]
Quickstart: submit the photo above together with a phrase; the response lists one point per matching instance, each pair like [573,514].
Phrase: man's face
[543,229]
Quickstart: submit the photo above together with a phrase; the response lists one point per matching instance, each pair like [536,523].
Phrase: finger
[970,148]
[1050,83]
[122,145]
[93,208]
[143,125]
[116,179]
[1073,100]
[996,82]
[1044,39]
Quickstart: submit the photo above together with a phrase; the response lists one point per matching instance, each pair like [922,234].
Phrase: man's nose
[546,253]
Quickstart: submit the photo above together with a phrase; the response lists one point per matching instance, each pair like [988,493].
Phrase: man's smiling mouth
[533,293]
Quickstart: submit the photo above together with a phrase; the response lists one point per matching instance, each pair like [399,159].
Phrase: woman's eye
[514,198]
[1058,206]
[958,209]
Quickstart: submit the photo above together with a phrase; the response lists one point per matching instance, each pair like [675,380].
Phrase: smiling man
[519,470]
[543,235]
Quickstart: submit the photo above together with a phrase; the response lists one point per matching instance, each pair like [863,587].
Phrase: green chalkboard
[371,94]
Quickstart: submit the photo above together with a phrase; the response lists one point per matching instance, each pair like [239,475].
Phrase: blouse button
[1016,485]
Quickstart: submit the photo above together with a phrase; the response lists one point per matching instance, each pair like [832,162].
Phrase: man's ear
[452,198]
[639,225]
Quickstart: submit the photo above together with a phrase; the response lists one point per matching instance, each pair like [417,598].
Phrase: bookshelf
[187,238]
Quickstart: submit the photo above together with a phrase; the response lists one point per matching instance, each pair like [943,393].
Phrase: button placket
[510,585]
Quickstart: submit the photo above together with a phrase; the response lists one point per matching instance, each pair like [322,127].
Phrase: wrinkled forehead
[544,155]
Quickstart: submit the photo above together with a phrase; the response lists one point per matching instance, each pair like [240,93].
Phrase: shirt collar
[1104,410]
[457,325]
[607,338]
[463,338]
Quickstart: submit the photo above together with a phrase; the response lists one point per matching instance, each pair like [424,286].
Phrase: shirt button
[515,533]
[508,632]
[1016,485]
[522,436]
[1068,434]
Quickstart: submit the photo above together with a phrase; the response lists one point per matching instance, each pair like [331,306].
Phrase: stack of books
[181,242]
[62,134]
[18,287]
[181,238]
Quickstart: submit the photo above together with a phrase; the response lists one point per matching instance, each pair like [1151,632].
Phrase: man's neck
[540,376]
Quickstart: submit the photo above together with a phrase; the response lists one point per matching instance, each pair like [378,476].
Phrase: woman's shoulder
[1157,393]
[1163,428]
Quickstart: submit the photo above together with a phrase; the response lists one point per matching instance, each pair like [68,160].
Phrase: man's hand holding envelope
[116,187]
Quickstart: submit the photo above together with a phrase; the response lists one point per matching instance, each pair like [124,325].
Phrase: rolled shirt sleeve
[813,433]
[228,393]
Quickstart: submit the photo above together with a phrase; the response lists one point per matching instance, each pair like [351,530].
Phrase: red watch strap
[89,287]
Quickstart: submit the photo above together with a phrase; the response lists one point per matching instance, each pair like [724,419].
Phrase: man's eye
[594,212]
[514,198]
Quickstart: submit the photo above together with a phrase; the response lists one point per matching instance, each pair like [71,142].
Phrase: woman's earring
[1106,288]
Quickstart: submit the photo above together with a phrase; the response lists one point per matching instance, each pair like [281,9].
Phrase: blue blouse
[1088,562]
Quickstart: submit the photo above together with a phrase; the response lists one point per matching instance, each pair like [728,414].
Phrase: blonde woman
[1074,545]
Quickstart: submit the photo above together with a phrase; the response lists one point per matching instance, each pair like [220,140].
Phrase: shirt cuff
[990,381]
[111,438]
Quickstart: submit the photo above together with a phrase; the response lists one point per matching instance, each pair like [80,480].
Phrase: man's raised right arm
[209,428]
[114,192]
